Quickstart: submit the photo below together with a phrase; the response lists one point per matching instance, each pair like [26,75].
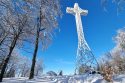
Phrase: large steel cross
[84,55]
[77,11]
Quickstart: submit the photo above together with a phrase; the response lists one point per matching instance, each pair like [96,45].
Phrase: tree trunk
[8,57]
[34,56]
[36,45]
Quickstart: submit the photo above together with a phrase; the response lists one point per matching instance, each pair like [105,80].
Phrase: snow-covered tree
[12,66]
[120,39]
[116,57]
[23,67]
[46,17]
[118,53]
[17,24]
[24,19]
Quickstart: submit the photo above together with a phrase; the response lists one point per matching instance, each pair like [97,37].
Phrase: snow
[51,73]
[96,78]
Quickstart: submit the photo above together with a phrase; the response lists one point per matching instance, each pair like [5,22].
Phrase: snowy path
[66,79]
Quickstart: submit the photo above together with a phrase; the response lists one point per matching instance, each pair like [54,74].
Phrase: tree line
[26,21]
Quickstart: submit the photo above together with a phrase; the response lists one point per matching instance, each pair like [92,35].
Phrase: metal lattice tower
[85,57]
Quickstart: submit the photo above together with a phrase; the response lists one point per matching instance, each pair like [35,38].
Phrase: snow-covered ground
[66,79]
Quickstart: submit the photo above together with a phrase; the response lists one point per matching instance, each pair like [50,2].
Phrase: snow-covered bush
[116,57]
[51,73]
[107,73]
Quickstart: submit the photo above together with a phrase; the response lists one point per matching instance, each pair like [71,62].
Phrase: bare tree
[24,67]
[18,24]
[17,21]
[47,13]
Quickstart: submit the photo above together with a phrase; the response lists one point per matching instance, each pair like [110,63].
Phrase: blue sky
[99,28]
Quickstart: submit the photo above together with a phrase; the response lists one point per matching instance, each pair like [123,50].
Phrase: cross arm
[83,12]
[70,10]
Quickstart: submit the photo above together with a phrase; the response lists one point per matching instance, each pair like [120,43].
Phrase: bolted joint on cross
[76,10]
